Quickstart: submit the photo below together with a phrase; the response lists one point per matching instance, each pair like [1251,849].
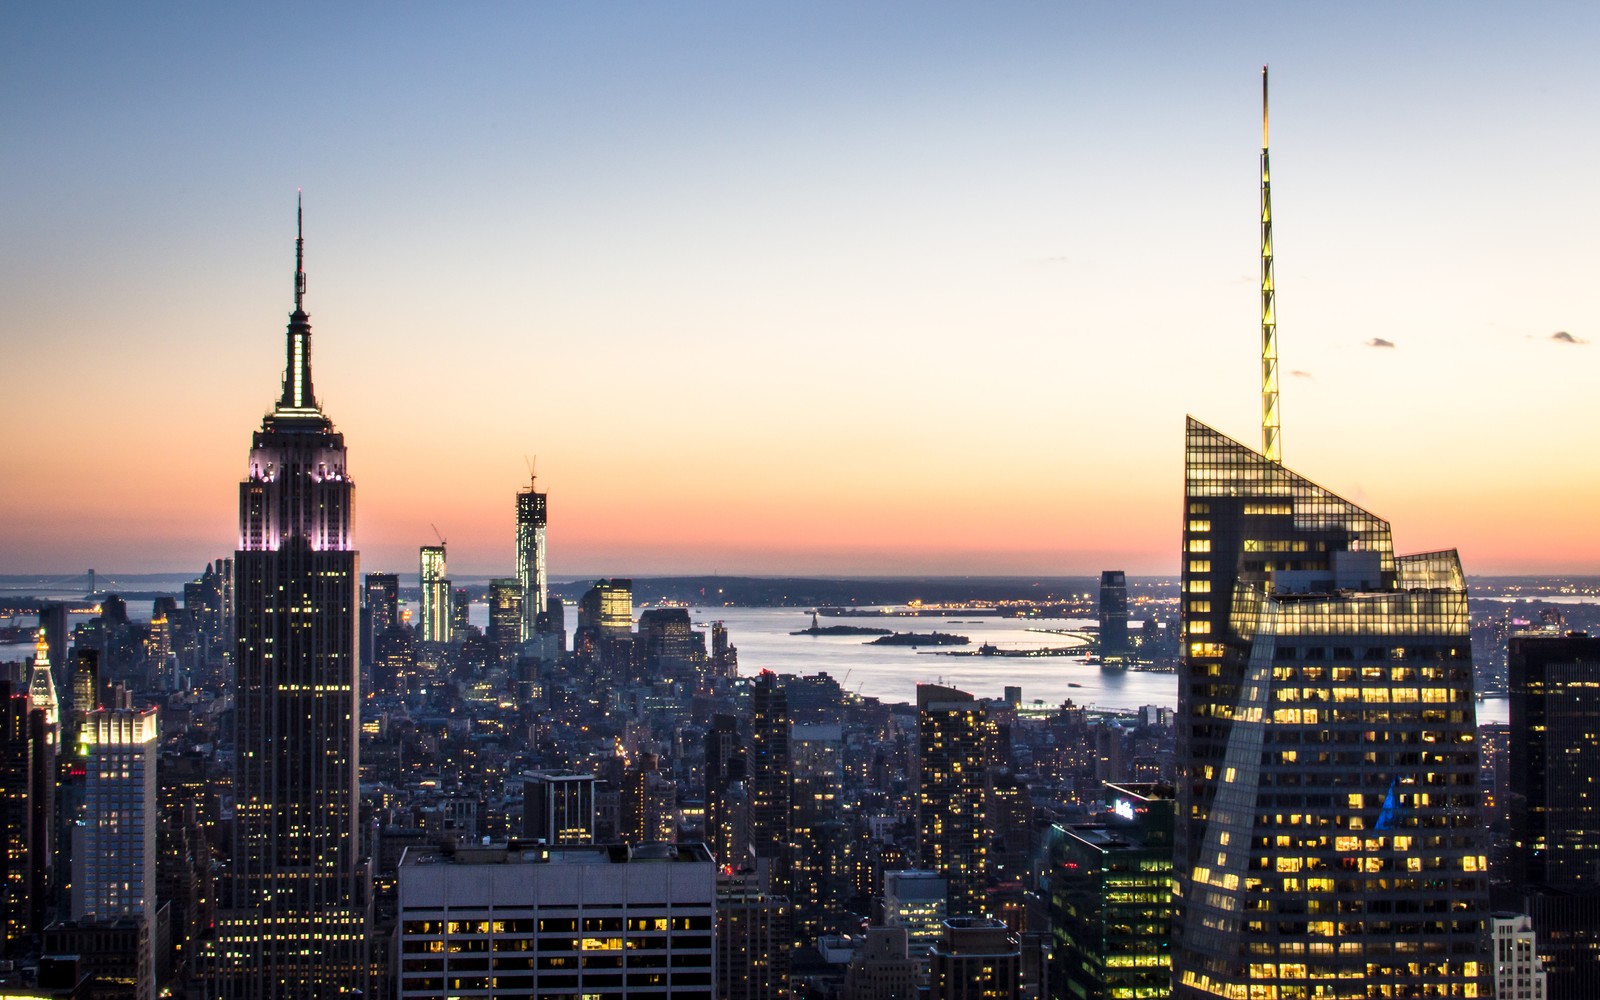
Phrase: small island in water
[817,628]
[840,630]
[920,639]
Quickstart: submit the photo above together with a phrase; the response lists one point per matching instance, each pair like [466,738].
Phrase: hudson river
[893,672]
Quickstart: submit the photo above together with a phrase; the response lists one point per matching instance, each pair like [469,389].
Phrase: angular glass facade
[1329,842]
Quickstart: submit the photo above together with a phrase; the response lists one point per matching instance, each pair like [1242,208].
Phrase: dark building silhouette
[380,610]
[1555,802]
[770,769]
[1114,646]
[978,957]
[753,947]
[727,800]
[16,818]
[505,613]
[1329,826]
[44,732]
[666,640]
[296,921]
[461,615]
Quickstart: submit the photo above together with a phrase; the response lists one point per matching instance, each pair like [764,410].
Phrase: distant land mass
[810,592]
[1072,595]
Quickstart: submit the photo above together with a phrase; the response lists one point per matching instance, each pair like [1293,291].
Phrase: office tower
[608,607]
[724,655]
[1518,972]
[558,807]
[505,613]
[207,600]
[460,615]
[86,689]
[56,630]
[16,818]
[1328,827]
[532,516]
[183,863]
[380,599]
[882,968]
[1114,646]
[727,799]
[917,901]
[1555,747]
[954,734]
[44,732]
[769,767]
[553,622]
[753,947]
[114,843]
[817,888]
[111,955]
[114,849]
[1555,805]
[594,921]
[1111,898]
[666,640]
[435,595]
[977,959]
[296,920]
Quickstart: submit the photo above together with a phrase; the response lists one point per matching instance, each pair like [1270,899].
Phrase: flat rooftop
[521,853]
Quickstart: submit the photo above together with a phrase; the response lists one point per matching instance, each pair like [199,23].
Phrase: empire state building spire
[297,394]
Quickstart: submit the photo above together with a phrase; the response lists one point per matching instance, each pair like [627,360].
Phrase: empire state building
[295,921]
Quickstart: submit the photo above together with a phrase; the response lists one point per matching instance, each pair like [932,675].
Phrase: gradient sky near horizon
[822,288]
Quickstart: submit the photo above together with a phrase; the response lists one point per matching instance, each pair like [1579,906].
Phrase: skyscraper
[505,613]
[1328,832]
[954,734]
[1555,802]
[16,826]
[114,848]
[1111,898]
[558,807]
[44,731]
[771,768]
[435,595]
[1113,618]
[381,611]
[295,926]
[531,520]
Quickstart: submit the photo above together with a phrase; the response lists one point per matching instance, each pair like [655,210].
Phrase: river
[892,673]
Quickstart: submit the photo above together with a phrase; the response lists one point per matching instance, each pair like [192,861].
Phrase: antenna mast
[1271,447]
[299,252]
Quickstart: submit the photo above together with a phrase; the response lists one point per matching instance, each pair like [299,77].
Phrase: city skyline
[724,272]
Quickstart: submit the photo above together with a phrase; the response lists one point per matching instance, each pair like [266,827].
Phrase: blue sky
[796,287]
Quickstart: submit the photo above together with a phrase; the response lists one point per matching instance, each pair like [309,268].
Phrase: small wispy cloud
[1563,337]
[1380,342]
[1297,373]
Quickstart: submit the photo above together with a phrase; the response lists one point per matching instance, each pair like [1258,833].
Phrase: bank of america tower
[1329,843]
[294,923]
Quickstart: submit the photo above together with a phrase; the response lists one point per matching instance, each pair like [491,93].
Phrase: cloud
[1380,342]
[1297,373]
[1563,337]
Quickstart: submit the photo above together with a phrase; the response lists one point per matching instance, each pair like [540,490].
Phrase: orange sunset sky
[831,288]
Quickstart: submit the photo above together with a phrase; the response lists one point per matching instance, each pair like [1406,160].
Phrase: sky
[811,288]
